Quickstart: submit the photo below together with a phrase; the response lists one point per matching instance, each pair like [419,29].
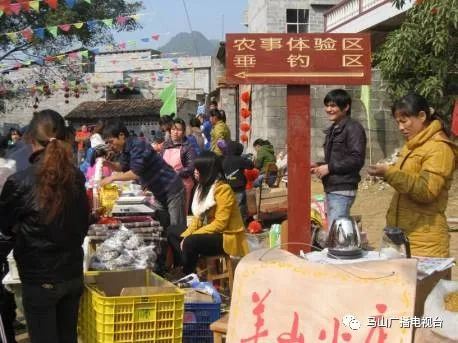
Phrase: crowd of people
[45,213]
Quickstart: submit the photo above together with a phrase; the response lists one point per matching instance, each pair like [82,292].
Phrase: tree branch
[16,48]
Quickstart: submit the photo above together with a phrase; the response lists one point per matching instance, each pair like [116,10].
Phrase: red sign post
[298,60]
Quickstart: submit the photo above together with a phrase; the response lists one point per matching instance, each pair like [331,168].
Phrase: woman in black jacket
[45,209]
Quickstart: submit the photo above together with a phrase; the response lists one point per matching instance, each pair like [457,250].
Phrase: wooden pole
[298,132]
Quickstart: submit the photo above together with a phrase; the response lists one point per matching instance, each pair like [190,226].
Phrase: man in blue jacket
[138,161]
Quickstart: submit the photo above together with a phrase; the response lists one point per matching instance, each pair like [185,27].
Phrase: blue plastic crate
[197,320]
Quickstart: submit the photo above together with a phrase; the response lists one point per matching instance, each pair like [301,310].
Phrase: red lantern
[245,112]
[245,97]
[245,127]
[243,138]
[255,227]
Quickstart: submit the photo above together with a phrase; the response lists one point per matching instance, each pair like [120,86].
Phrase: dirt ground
[372,203]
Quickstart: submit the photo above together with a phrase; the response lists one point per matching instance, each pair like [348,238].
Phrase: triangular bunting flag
[108,22]
[1,13]
[91,24]
[95,51]
[60,57]
[146,40]
[40,32]
[121,20]
[50,58]
[25,5]
[84,53]
[155,36]
[16,8]
[40,88]
[52,30]
[135,17]
[122,45]
[131,43]
[12,36]
[70,3]
[52,3]
[27,34]
[27,63]
[72,55]
[35,5]
[5,7]
[39,60]
[88,1]
[65,27]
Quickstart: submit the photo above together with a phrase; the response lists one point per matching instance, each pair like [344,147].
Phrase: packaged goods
[108,195]
[451,302]
[442,303]
[275,235]
[125,250]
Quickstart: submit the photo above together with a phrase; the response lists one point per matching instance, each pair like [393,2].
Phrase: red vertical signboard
[298,60]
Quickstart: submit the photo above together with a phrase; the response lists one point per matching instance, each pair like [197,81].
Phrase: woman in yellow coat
[421,178]
[217,227]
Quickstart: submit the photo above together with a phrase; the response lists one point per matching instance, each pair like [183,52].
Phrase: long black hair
[412,104]
[56,175]
[210,168]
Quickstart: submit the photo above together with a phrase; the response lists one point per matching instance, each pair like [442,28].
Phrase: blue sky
[168,17]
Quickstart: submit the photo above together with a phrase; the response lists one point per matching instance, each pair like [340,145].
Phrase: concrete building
[138,74]
[269,102]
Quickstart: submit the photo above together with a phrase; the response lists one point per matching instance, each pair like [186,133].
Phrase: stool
[220,268]
[219,328]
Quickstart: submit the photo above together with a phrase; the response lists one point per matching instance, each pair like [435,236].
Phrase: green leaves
[81,12]
[422,55]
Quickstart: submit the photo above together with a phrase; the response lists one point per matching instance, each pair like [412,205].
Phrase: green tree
[421,55]
[75,38]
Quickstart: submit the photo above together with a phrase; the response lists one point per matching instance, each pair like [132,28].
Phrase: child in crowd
[234,165]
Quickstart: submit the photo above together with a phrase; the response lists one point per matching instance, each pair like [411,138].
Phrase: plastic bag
[435,307]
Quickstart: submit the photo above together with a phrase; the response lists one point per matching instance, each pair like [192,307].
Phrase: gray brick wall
[269,102]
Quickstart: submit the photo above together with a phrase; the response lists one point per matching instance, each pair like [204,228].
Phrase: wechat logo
[351,322]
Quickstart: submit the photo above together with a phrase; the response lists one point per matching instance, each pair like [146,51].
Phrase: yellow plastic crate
[128,319]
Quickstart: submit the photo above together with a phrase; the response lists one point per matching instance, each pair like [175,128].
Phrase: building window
[297,21]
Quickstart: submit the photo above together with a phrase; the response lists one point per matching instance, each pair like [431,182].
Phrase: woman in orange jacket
[421,178]
[217,227]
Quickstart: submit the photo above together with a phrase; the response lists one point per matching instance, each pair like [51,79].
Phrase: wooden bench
[219,328]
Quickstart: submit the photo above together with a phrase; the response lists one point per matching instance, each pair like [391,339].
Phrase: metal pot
[344,240]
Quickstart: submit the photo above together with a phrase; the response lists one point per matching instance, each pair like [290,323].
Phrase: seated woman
[217,227]
[264,156]
[421,178]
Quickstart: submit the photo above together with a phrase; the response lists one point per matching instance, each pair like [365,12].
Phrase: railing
[347,10]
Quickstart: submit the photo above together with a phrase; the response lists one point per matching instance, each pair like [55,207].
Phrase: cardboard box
[129,283]
[425,286]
